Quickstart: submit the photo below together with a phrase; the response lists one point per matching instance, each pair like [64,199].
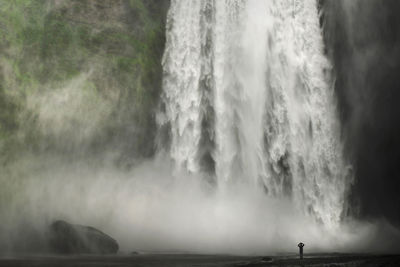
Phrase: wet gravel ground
[167,260]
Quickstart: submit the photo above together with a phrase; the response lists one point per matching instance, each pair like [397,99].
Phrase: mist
[147,209]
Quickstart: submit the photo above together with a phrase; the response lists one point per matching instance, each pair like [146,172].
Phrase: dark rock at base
[66,238]
[267,259]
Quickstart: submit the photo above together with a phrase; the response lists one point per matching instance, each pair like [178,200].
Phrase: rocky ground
[203,260]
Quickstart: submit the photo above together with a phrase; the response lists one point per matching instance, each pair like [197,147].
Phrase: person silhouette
[301,245]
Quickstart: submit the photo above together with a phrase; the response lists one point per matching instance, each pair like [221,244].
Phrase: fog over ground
[149,210]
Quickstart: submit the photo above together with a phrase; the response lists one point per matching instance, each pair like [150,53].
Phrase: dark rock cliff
[363,40]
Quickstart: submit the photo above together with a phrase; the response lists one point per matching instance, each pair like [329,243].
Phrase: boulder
[66,238]
[267,259]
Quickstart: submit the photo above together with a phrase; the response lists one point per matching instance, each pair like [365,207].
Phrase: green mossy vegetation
[44,44]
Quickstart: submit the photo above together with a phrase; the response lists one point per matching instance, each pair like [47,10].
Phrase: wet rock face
[66,238]
[363,40]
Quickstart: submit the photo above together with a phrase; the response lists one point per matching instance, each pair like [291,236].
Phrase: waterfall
[248,99]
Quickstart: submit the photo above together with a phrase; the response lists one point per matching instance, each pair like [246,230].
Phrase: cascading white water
[247,84]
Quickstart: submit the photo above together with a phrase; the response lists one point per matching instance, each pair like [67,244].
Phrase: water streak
[249,100]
